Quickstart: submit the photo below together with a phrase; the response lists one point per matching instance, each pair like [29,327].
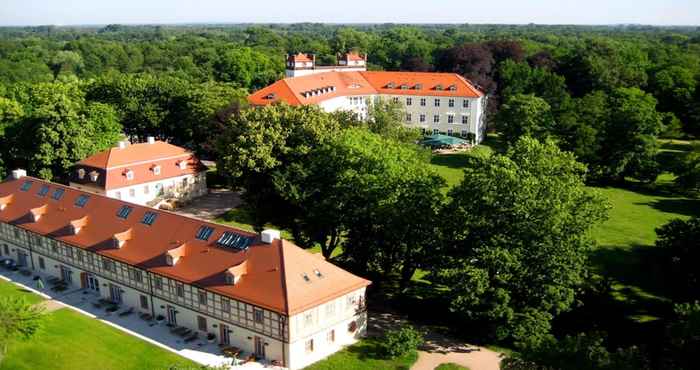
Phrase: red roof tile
[291,90]
[273,276]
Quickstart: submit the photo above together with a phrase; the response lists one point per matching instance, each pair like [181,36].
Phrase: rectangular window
[465,103]
[158,282]
[308,319]
[137,276]
[437,102]
[109,265]
[201,323]
[124,212]
[450,118]
[330,336]
[204,233]
[422,102]
[118,195]
[436,131]
[408,117]
[422,117]
[465,120]
[409,101]
[69,252]
[81,200]
[449,132]
[26,185]
[146,189]
[43,191]
[42,265]
[436,118]
[57,194]
[395,99]
[225,305]
[330,309]
[81,256]
[149,218]
[144,301]
[464,133]
[309,345]
[180,290]
[451,103]
[202,297]
[258,315]
[132,192]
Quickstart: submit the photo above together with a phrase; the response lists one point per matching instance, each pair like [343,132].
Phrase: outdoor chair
[126,312]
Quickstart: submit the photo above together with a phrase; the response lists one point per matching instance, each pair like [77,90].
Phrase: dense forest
[506,250]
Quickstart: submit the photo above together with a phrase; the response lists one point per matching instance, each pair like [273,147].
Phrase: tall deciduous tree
[516,234]
[525,115]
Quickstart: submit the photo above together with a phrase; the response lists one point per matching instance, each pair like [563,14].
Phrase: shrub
[399,342]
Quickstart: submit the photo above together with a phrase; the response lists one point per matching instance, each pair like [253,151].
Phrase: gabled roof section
[134,153]
[273,276]
[315,88]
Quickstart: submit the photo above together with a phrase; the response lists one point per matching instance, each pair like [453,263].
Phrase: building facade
[256,292]
[434,102]
[142,173]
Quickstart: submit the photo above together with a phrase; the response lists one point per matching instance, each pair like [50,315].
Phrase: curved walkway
[438,348]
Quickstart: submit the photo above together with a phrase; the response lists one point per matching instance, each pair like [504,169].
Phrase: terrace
[178,340]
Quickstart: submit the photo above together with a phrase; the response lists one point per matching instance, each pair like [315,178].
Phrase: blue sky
[66,12]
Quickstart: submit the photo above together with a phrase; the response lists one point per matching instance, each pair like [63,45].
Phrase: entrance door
[66,274]
[259,347]
[21,258]
[115,293]
[224,334]
[172,315]
[93,283]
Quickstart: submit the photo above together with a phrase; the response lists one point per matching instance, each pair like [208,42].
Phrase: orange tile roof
[112,164]
[274,272]
[301,57]
[291,90]
[354,57]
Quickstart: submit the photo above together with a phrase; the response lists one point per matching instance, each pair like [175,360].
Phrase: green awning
[439,140]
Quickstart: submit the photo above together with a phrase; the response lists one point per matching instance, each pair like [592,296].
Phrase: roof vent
[94,175]
[269,235]
[151,140]
[18,174]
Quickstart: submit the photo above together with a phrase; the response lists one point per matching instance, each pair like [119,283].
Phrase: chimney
[151,140]
[268,236]
[122,144]
[18,174]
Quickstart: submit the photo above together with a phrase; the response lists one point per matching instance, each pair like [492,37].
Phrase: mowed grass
[71,341]
[451,366]
[8,289]
[364,355]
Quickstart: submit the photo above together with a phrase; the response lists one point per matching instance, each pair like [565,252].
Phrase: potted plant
[211,337]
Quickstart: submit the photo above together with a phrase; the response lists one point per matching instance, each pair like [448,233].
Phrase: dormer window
[390,85]
[81,173]
[453,88]
[418,86]
[438,87]
[156,170]
[230,278]
[129,174]
[182,165]
[173,256]
[404,87]
[94,175]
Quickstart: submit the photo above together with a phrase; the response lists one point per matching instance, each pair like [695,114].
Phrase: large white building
[434,102]
[141,173]
[259,293]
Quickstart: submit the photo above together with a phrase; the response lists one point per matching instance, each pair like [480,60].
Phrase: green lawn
[364,355]
[451,366]
[72,341]
[8,289]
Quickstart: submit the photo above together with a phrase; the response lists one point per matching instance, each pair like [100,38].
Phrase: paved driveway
[212,205]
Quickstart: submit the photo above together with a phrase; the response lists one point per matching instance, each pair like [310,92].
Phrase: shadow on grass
[682,206]
[458,160]
[637,266]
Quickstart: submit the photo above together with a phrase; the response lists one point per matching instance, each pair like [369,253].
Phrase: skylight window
[149,218]
[82,200]
[27,185]
[318,273]
[204,233]
[58,193]
[230,239]
[43,191]
[124,212]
